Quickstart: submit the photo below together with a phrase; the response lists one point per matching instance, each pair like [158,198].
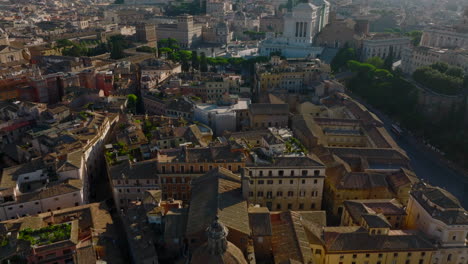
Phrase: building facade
[380,45]
[289,183]
[439,215]
[185,31]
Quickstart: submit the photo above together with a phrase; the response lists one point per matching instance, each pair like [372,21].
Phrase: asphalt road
[435,172]
[428,165]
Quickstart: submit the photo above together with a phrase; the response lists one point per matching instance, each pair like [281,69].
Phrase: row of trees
[441,78]
[346,54]
[192,61]
[191,8]
[388,91]
[115,46]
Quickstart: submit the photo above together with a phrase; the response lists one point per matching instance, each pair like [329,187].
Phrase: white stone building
[28,189]
[416,57]
[300,28]
[379,45]
[444,38]
[220,118]
[185,31]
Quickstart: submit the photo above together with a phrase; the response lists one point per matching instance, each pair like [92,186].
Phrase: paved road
[427,165]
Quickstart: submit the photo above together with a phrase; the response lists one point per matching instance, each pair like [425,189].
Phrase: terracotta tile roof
[357,208]
[289,241]
[358,239]
[139,170]
[217,193]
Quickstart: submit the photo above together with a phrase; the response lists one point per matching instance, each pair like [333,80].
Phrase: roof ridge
[294,228]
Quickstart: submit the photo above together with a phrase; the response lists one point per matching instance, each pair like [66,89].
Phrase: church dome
[217,249]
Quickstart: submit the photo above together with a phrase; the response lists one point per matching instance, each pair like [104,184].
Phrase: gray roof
[10,174]
[451,214]
[139,170]
[269,109]
[376,221]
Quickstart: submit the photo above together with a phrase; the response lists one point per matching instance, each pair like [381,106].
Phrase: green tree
[163,43]
[132,102]
[165,51]
[61,43]
[440,66]
[184,60]
[203,62]
[438,81]
[117,50]
[195,61]
[341,59]
[119,2]
[454,71]
[172,42]
[376,61]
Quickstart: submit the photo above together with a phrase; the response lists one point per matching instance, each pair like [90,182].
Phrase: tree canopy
[441,78]
[341,59]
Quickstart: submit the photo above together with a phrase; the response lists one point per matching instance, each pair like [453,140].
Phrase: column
[305,29]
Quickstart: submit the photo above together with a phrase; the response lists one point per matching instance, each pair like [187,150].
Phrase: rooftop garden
[120,149]
[3,241]
[46,235]
[293,145]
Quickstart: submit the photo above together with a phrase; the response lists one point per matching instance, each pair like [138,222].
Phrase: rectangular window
[301,206]
[279,193]
[281,173]
[270,182]
[260,182]
[291,181]
[260,194]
